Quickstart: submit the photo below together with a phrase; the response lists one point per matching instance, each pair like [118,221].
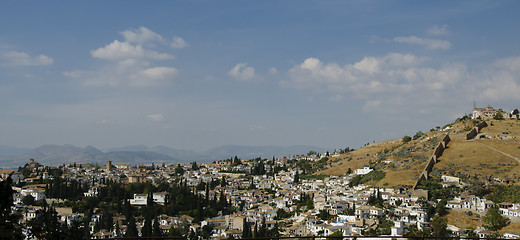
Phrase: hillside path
[496,150]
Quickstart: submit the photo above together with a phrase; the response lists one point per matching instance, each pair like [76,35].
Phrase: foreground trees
[9,228]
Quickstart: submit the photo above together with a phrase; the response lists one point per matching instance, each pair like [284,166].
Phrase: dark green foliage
[503,193]
[156,230]
[258,169]
[493,220]
[306,200]
[179,170]
[206,231]
[440,209]
[418,135]
[28,200]
[335,235]
[282,214]
[131,230]
[414,233]
[375,199]
[235,162]
[371,176]
[9,228]
[435,189]
[407,139]
[297,177]
[194,166]
[325,215]
[46,225]
[246,230]
[439,226]
[384,227]
[69,190]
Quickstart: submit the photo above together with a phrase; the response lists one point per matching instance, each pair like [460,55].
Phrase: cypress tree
[131,230]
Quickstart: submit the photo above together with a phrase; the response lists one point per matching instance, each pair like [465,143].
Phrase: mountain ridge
[52,154]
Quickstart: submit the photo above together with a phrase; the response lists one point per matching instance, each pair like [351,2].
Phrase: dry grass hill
[494,153]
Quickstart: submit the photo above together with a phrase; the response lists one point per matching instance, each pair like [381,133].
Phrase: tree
[131,230]
[9,228]
[223,181]
[275,231]
[498,116]
[147,228]
[246,230]
[206,231]
[440,209]
[262,232]
[407,139]
[179,170]
[194,166]
[439,226]
[296,177]
[335,235]
[493,220]
[156,232]
[28,200]
[325,215]
[418,135]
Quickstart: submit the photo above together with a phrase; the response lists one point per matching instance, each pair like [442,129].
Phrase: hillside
[497,155]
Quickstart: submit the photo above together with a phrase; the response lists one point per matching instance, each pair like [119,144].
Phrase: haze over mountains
[11,157]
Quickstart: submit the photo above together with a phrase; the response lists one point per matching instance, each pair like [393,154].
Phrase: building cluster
[490,113]
[275,200]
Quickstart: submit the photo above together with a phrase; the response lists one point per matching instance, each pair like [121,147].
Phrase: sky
[200,74]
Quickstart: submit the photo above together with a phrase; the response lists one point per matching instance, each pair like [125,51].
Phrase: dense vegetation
[505,193]
[371,176]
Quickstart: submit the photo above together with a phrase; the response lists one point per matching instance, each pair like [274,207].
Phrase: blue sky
[200,74]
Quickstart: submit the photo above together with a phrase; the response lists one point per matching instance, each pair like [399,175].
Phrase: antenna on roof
[474,105]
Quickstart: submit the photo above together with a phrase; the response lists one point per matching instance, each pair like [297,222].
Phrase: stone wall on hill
[474,131]
[437,152]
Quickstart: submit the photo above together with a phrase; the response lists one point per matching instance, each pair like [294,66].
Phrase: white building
[37,194]
[363,171]
[141,199]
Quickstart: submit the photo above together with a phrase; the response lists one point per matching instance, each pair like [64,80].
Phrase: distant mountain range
[11,157]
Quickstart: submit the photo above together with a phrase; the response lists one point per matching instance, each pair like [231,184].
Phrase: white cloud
[130,72]
[17,58]
[131,62]
[367,65]
[242,72]
[142,35]
[123,50]
[178,42]
[427,42]
[156,76]
[396,83]
[158,117]
[273,71]
[438,30]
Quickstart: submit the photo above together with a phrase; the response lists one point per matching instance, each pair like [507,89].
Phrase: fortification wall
[437,153]
[424,176]
[473,133]
[446,140]
[429,166]
[439,150]
[481,125]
